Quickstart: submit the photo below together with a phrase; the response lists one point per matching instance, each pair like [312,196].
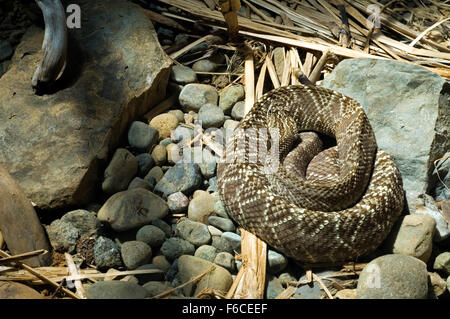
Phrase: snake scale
[340,206]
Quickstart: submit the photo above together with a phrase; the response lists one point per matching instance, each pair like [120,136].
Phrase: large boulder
[20,224]
[409,109]
[55,145]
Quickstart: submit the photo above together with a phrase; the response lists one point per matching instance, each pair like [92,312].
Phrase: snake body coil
[341,206]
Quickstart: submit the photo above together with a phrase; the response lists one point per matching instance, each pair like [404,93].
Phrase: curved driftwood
[19,222]
[54,47]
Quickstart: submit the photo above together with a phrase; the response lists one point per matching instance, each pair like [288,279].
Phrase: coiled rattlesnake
[340,207]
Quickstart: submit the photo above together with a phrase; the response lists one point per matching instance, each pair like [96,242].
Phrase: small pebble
[230,96]
[194,96]
[183,177]
[175,247]
[442,263]
[156,173]
[135,254]
[222,244]
[179,115]
[211,115]
[201,206]
[222,223]
[181,133]
[214,231]
[276,262]
[206,252]
[145,163]
[159,155]
[166,228]
[164,123]
[237,113]
[183,74]
[161,262]
[122,168]
[177,202]
[219,210]
[226,260]
[194,232]
[204,66]
[142,136]
[138,182]
[106,253]
[234,239]
[151,235]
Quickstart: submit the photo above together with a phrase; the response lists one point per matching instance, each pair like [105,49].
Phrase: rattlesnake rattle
[341,208]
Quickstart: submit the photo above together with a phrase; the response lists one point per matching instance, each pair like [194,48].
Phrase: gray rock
[393,276]
[237,113]
[145,163]
[412,236]
[438,285]
[115,289]
[218,279]
[75,127]
[427,206]
[222,223]
[274,287]
[181,133]
[132,208]
[85,221]
[154,175]
[183,74]
[63,236]
[208,164]
[163,226]
[206,252]
[392,94]
[106,253]
[230,96]
[213,186]
[178,114]
[221,244]
[226,260]
[138,182]
[219,210]
[122,168]
[204,66]
[276,262]
[159,155]
[442,263]
[234,239]
[211,115]
[161,262]
[165,142]
[182,177]
[194,96]
[142,136]
[6,50]
[194,232]
[230,125]
[135,254]
[155,288]
[151,235]
[214,231]
[174,247]
[165,123]
[201,206]
[177,202]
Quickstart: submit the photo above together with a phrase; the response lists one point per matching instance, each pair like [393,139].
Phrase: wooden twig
[272,72]
[315,74]
[74,272]
[420,36]
[249,82]
[14,258]
[40,276]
